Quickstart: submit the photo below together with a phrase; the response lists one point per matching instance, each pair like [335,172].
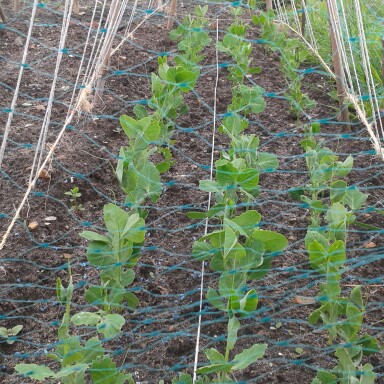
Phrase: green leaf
[233,328]
[104,371]
[92,350]
[95,295]
[100,254]
[356,297]
[324,377]
[127,277]
[345,167]
[337,253]
[197,215]
[34,371]
[224,367]
[317,256]
[209,186]
[249,302]
[355,199]
[367,376]
[15,330]
[214,356]
[89,235]
[85,318]
[139,111]
[72,369]
[370,345]
[248,179]
[248,220]
[131,299]
[273,241]
[60,292]
[248,356]
[338,189]
[215,299]
[267,161]
[201,250]
[312,236]
[134,229]
[226,173]
[110,325]
[115,218]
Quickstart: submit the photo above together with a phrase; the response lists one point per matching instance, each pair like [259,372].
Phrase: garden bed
[159,337]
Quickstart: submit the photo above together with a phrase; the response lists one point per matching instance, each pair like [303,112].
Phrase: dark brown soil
[159,337]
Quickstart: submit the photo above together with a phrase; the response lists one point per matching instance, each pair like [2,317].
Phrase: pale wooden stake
[159,4]
[338,69]
[76,7]
[303,17]
[16,5]
[172,14]
[98,97]
[268,5]
[2,15]
[382,76]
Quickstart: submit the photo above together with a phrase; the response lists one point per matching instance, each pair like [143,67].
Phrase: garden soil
[159,337]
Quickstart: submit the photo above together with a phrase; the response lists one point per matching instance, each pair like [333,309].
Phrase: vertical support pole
[3,19]
[382,60]
[105,55]
[303,16]
[268,5]
[159,4]
[382,77]
[172,14]
[76,7]
[337,66]
[2,15]
[16,5]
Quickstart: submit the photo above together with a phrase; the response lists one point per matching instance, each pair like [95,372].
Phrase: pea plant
[238,250]
[293,54]
[79,360]
[9,334]
[115,255]
[116,252]
[235,44]
[152,133]
[332,205]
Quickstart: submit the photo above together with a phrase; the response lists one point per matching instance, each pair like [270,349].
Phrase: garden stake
[172,14]
[76,7]
[303,17]
[268,5]
[2,15]
[16,5]
[338,68]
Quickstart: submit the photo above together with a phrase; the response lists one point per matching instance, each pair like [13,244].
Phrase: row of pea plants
[333,204]
[236,248]
[293,54]
[116,252]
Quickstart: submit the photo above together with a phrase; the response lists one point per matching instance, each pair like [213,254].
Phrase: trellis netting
[187,205]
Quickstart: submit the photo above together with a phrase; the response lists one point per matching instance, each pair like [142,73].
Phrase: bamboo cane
[2,15]
[76,7]
[338,68]
[16,5]
[303,17]
[268,5]
[172,14]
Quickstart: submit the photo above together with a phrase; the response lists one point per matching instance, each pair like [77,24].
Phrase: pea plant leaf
[215,299]
[85,318]
[355,199]
[110,325]
[34,371]
[248,356]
